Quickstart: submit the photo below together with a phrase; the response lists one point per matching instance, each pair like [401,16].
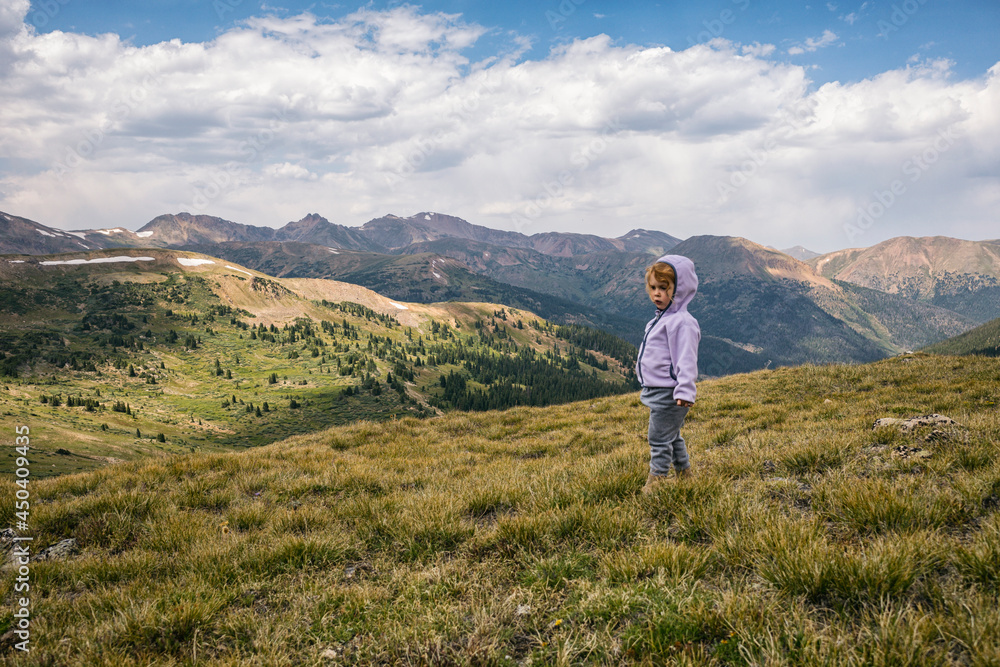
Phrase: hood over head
[687,281]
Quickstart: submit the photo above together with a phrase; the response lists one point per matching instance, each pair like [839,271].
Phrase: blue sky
[830,125]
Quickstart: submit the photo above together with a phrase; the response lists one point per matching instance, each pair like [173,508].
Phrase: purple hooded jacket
[668,356]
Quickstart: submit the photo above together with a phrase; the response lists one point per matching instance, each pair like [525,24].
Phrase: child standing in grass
[667,366]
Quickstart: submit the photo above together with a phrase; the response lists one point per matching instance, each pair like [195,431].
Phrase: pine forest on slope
[983,340]
[169,351]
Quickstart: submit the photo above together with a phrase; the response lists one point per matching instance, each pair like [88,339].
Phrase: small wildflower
[225,527]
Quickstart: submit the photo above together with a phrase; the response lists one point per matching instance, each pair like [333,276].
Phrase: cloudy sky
[830,125]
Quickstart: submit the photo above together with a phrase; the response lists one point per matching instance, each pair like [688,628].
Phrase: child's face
[660,293]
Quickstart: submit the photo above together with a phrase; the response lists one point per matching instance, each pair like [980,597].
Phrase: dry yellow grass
[520,537]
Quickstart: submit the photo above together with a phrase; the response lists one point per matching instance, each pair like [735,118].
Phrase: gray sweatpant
[666,446]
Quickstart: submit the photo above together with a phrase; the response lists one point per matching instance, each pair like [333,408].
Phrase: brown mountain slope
[650,242]
[907,256]
[316,229]
[961,275]
[800,253]
[175,229]
[393,233]
[20,235]
[727,256]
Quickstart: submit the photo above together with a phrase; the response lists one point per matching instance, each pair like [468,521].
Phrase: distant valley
[121,353]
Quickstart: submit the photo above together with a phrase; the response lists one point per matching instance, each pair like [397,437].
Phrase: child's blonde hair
[662,272]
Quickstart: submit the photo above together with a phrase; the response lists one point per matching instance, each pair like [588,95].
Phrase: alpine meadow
[520,537]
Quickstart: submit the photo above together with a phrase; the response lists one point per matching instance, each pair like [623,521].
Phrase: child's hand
[686,404]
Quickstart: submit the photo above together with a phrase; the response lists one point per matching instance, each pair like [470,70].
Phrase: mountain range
[388,234]
[758,306]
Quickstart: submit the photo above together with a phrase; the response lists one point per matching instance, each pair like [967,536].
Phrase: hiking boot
[651,482]
[685,474]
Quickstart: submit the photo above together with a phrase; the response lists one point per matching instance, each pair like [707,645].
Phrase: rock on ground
[907,425]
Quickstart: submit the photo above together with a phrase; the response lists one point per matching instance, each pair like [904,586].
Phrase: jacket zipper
[642,348]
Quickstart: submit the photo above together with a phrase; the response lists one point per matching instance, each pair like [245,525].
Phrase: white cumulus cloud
[814,43]
[383,112]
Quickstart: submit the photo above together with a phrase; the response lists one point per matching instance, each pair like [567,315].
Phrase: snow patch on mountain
[97,260]
[193,261]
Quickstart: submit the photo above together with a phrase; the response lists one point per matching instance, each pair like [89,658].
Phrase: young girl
[668,364]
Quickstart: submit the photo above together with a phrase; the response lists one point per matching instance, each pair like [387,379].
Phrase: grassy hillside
[415,278]
[125,359]
[520,537]
[984,339]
